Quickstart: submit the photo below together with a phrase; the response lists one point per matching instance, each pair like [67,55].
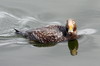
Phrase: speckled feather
[49,34]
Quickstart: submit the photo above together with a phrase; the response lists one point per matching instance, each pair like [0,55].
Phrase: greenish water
[28,14]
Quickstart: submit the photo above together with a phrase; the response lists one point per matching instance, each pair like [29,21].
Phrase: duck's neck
[73,36]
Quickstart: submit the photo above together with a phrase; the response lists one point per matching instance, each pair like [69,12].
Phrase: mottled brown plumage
[52,33]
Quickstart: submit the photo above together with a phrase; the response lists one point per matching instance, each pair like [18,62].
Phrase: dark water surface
[28,14]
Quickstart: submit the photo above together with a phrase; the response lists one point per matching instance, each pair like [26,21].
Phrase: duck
[51,33]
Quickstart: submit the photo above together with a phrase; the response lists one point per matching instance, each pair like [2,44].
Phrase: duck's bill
[70,30]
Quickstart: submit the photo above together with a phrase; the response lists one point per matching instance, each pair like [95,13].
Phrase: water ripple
[87,31]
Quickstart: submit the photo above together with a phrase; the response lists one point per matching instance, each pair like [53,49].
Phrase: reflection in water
[37,44]
[73,47]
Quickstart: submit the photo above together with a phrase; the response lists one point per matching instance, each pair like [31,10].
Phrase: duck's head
[71,27]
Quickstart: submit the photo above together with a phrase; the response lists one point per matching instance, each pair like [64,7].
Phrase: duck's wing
[48,34]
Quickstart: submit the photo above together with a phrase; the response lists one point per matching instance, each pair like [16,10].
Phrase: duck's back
[49,34]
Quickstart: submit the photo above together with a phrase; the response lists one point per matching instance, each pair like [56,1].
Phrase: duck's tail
[20,33]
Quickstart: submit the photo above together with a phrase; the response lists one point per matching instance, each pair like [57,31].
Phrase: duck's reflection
[37,44]
[73,46]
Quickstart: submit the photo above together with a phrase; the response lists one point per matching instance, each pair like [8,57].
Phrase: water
[28,14]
